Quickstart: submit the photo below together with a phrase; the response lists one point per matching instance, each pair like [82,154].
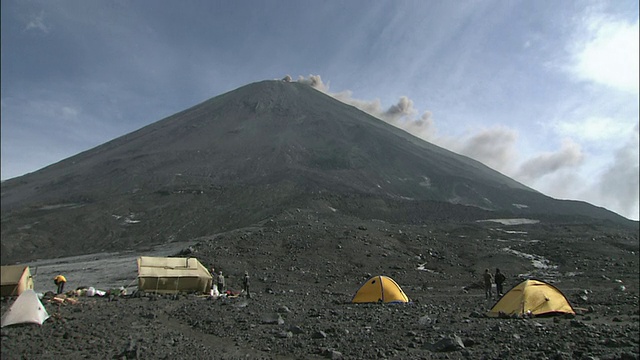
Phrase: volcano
[247,156]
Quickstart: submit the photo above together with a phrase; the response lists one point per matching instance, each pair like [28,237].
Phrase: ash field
[304,272]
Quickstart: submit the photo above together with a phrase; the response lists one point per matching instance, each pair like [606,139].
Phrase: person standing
[499,278]
[221,283]
[60,280]
[214,283]
[245,284]
[487,284]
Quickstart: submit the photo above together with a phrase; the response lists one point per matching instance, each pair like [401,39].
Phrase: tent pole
[126,287]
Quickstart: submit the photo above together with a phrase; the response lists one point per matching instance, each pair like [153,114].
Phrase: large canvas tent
[26,309]
[532,297]
[380,289]
[14,279]
[166,275]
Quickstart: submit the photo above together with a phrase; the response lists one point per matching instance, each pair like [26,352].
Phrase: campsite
[301,305]
[360,242]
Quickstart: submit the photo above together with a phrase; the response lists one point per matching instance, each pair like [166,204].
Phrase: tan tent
[14,279]
[165,275]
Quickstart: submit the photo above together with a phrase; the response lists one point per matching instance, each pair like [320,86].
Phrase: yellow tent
[14,279]
[166,275]
[380,289]
[532,297]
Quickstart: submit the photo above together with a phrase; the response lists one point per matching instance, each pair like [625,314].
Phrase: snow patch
[512,231]
[511,221]
[422,267]
[519,240]
[60,206]
[539,262]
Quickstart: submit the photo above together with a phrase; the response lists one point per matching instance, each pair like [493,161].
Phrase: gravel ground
[303,275]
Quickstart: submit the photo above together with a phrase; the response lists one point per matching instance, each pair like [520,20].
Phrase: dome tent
[532,297]
[380,289]
[26,309]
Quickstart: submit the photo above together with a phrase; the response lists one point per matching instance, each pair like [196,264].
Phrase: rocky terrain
[247,156]
[312,197]
[304,271]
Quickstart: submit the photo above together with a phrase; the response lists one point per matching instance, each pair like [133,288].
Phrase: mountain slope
[241,158]
[271,127]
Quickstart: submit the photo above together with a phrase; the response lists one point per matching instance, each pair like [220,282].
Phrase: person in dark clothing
[499,279]
[245,284]
[221,283]
[487,284]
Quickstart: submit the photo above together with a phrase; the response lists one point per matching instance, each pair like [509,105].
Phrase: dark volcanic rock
[321,316]
[263,150]
[447,343]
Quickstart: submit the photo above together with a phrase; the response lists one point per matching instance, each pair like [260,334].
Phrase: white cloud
[608,54]
[36,22]
[593,129]
[69,113]
[52,111]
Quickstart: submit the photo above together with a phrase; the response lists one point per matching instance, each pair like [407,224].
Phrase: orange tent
[532,297]
[380,289]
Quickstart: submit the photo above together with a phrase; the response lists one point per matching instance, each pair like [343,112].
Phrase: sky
[543,91]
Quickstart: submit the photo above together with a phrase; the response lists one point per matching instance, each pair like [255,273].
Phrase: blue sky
[543,91]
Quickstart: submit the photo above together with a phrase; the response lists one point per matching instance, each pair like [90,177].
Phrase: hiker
[60,280]
[499,278]
[487,284]
[221,285]
[245,284]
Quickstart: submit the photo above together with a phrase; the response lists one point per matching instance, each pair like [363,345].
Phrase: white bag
[214,291]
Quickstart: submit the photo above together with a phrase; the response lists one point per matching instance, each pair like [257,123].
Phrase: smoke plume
[620,182]
[570,155]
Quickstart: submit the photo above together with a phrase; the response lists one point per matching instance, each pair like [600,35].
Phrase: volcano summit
[247,156]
